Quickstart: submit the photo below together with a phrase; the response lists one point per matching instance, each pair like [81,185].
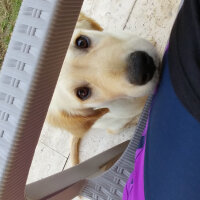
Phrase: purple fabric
[134,189]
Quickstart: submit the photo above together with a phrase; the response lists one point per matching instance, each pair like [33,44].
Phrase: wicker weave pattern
[109,185]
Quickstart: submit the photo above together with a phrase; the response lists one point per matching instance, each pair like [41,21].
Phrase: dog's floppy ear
[76,124]
[85,22]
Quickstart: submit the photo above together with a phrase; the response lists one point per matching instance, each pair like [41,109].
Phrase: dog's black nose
[141,68]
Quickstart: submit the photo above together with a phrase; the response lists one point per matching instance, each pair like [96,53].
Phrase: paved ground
[148,18]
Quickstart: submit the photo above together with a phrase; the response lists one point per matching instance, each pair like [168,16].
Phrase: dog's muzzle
[141,68]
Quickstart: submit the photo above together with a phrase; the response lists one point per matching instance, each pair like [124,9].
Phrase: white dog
[104,81]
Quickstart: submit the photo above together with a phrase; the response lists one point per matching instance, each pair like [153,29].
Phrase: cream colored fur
[114,102]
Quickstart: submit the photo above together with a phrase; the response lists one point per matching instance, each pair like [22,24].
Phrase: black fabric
[172,155]
[184,56]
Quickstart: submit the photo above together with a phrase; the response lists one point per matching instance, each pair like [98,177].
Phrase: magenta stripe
[134,189]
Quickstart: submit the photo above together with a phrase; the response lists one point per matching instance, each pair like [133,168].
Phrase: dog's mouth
[141,68]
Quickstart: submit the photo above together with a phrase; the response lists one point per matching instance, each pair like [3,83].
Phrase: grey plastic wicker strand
[109,185]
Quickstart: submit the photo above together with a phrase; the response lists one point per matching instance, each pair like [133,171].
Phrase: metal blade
[49,186]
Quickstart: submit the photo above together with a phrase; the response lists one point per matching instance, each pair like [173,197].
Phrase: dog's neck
[122,112]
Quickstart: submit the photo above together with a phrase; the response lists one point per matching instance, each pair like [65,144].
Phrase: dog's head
[99,68]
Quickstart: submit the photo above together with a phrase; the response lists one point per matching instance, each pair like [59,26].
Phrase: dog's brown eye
[83,42]
[83,93]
